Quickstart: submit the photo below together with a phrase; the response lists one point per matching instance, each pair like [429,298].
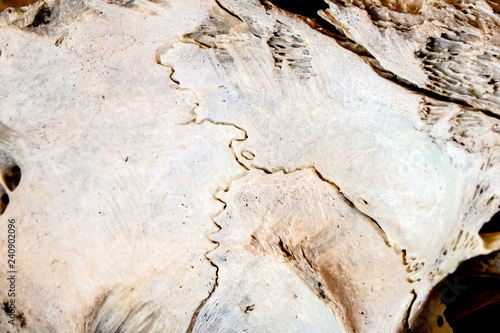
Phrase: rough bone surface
[228,166]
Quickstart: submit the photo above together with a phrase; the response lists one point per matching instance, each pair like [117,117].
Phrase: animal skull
[221,166]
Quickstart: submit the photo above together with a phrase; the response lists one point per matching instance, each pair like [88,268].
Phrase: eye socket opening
[472,302]
[480,320]
[466,301]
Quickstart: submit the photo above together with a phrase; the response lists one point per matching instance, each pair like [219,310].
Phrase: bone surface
[229,166]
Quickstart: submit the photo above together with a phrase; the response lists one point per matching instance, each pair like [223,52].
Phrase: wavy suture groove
[312,274]
[196,313]
[382,233]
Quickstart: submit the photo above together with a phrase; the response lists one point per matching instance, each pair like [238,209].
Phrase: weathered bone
[223,166]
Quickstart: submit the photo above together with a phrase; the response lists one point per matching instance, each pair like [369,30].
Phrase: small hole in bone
[440,321]
[4,201]
[42,17]
[248,155]
[362,201]
[12,177]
